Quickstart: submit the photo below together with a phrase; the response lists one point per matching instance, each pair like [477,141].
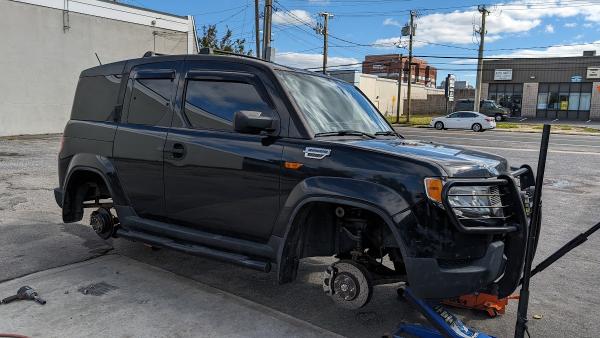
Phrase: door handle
[178,150]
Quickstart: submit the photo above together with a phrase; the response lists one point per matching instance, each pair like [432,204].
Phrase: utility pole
[399,99]
[324,31]
[411,28]
[484,12]
[267,30]
[257,27]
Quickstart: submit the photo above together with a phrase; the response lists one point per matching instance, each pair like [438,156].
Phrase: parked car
[464,120]
[486,107]
[261,165]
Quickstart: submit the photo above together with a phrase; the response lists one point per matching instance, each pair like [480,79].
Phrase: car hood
[456,161]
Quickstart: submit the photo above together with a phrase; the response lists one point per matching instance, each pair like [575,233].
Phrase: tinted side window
[211,104]
[150,100]
[95,98]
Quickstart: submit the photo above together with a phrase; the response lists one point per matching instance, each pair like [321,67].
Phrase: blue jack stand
[446,324]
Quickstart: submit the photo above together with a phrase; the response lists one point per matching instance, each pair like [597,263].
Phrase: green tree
[211,39]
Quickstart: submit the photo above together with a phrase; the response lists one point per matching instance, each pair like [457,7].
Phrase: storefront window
[568,100]
[584,101]
[542,101]
[574,101]
[508,95]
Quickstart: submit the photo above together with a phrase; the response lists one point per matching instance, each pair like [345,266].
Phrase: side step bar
[195,249]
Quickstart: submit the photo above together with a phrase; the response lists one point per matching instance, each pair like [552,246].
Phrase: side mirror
[252,122]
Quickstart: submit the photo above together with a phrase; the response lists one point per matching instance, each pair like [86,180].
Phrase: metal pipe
[534,231]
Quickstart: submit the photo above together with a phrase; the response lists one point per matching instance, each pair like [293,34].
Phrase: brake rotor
[350,286]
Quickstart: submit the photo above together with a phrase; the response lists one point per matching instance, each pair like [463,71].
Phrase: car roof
[120,66]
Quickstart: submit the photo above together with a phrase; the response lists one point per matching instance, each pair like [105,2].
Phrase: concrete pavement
[33,238]
[115,296]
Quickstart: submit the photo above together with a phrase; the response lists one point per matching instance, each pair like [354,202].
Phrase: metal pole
[484,12]
[410,52]
[267,30]
[326,17]
[257,27]
[534,231]
[398,105]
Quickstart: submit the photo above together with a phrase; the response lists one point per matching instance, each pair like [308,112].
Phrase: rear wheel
[476,127]
[439,125]
[498,117]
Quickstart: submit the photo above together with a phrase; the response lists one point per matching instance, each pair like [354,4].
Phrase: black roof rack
[151,53]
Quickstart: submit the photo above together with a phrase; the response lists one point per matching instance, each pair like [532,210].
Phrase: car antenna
[100,62]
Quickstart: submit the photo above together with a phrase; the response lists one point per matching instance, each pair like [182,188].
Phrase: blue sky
[525,28]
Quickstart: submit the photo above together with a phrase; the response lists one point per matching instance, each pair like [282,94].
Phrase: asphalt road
[33,238]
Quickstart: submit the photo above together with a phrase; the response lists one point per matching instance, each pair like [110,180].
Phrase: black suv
[261,165]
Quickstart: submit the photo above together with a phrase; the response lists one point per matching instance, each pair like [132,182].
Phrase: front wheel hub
[345,286]
[349,284]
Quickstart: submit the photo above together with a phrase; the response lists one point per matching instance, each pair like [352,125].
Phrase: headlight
[467,201]
[476,201]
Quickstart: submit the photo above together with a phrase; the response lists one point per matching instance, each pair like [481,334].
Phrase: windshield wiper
[344,133]
[386,133]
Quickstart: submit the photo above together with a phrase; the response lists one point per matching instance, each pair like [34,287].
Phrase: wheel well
[343,230]
[83,185]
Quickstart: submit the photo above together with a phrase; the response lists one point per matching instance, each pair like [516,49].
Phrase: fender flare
[286,265]
[99,165]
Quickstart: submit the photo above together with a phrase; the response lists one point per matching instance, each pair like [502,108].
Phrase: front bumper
[499,270]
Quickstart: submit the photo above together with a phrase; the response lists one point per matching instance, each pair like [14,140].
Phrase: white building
[47,43]
[383,92]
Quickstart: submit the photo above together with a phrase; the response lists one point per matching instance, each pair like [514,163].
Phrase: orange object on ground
[481,301]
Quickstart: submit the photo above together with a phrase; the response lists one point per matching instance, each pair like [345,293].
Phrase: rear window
[95,98]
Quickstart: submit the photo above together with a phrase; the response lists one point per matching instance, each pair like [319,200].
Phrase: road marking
[532,150]
[508,141]
[584,138]
[498,137]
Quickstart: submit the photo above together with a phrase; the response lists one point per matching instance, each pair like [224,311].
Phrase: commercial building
[390,65]
[552,88]
[383,92]
[47,43]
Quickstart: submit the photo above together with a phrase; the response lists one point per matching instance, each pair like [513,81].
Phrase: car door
[216,179]
[468,119]
[452,121]
[141,135]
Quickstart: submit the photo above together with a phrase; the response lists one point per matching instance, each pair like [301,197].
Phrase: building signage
[449,87]
[576,78]
[503,74]
[593,73]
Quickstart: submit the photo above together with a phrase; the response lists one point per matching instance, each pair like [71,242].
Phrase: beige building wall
[595,104]
[529,104]
[41,61]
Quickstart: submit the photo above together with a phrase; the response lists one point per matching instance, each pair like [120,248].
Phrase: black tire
[439,125]
[476,127]
[356,282]
[498,117]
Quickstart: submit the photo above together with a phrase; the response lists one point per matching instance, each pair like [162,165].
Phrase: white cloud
[570,24]
[515,17]
[572,50]
[588,25]
[391,22]
[578,37]
[293,17]
[549,29]
[302,60]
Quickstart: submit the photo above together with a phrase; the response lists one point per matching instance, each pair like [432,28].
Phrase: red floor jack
[447,325]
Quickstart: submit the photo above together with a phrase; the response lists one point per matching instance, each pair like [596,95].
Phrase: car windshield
[331,106]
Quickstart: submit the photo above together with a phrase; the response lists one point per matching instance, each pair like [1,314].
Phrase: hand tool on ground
[25,293]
